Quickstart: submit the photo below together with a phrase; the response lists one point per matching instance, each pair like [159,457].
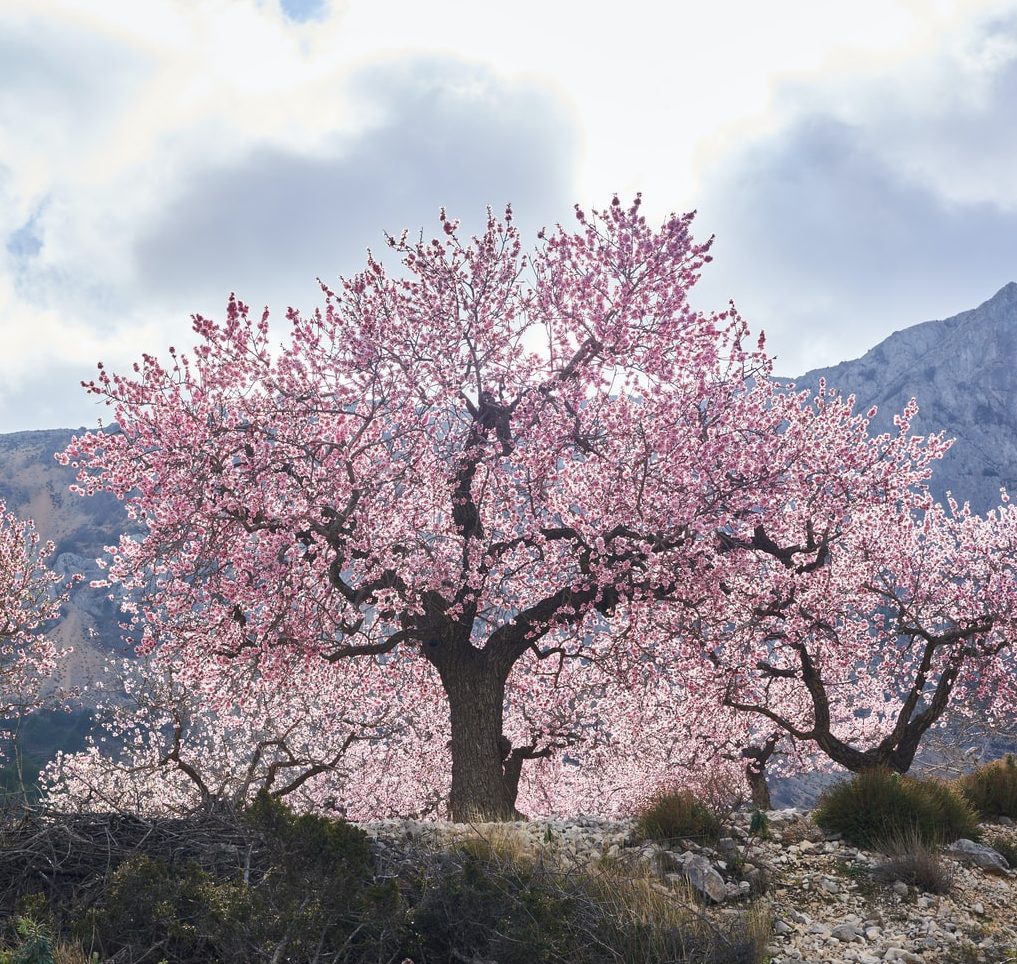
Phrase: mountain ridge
[962,370]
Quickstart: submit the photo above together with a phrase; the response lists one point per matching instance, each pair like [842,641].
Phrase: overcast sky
[857,160]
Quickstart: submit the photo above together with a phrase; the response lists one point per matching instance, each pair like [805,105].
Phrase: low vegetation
[673,813]
[992,788]
[265,884]
[878,807]
[914,862]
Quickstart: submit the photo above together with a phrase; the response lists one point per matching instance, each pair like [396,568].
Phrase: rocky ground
[825,899]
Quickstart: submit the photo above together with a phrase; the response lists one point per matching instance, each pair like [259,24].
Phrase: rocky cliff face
[963,372]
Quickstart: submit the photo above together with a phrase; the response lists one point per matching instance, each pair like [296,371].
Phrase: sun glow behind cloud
[155,155]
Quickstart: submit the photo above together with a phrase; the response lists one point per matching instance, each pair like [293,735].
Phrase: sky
[855,161]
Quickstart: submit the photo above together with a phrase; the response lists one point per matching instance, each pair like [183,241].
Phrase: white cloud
[885,198]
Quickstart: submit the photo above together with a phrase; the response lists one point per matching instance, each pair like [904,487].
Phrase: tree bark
[476,697]
[755,771]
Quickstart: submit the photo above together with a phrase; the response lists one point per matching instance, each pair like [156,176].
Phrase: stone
[782,927]
[701,875]
[978,855]
[829,886]
[900,888]
[846,933]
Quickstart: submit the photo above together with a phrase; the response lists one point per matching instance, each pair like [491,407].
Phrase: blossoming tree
[29,599]
[486,460]
[501,472]
[174,737]
[860,614]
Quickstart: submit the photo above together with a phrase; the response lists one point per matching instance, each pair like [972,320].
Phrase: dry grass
[911,860]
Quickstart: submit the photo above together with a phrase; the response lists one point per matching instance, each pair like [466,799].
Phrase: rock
[900,888]
[829,886]
[782,927]
[699,872]
[1007,822]
[901,954]
[978,855]
[846,933]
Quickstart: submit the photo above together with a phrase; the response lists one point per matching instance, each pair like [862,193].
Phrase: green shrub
[992,789]
[876,807]
[36,943]
[147,903]
[308,889]
[672,813]
[759,825]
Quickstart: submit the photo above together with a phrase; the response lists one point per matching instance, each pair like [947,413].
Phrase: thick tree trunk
[476,696]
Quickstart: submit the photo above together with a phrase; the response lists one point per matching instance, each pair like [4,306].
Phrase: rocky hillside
[963,372]
[827,902]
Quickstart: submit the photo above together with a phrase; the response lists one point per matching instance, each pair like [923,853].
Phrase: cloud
[117,270]
[445,134]
[151,164]
[862,214]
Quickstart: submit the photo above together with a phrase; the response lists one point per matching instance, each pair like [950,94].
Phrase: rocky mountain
[963,372]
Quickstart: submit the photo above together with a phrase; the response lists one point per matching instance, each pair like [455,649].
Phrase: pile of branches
[67,856]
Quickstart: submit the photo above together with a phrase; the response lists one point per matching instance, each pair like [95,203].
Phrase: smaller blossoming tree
[30,597]
[859,613]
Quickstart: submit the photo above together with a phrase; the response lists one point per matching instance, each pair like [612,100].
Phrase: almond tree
[859,614]
[172,737]
[170,740]
[489,459]
[30,597]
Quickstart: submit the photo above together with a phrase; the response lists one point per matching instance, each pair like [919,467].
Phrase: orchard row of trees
[514,531]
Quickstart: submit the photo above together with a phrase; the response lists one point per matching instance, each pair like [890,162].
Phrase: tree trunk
[755,770]
[476,696]
[759,788]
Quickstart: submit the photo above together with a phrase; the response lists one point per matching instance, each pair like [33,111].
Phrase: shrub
[307,890]
[672,813]
[36,945]
[992,789]
[911,861]
[876,807]
[759,825]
